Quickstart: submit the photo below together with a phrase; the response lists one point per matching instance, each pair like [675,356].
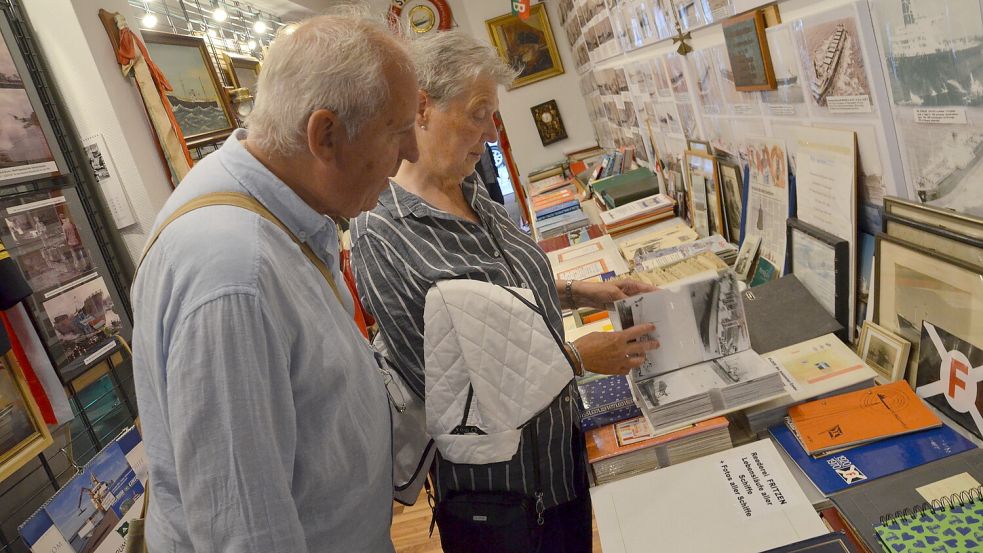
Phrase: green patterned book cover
[955,529]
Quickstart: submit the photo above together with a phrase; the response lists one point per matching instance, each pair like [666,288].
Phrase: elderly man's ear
[325,132]
[423,110]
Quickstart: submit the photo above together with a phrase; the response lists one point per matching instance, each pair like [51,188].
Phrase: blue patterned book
[864,463]
[606,401]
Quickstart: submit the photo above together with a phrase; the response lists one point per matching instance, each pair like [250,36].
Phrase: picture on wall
[832,54]
[45,242]
[527,45]
[549,124]
[943,164]
[934,49]
[677,77]
[84,318]
[739,103]
[748,50]
[788,98]
[26,140]
[198,101]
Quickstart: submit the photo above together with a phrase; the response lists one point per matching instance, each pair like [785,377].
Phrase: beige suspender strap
[243,201]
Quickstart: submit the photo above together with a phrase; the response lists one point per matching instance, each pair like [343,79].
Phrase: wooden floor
[411,526]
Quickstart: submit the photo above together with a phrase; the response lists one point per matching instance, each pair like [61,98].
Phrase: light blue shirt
[265,419]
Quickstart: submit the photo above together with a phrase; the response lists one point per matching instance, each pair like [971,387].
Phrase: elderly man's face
[366,161]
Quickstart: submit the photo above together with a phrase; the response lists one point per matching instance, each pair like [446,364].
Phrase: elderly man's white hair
[448,62]
[331,62]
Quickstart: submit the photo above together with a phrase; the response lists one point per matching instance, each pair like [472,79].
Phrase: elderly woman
[436,222]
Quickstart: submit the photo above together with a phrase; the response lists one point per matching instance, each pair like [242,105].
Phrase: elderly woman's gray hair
[448,63]
[334,62]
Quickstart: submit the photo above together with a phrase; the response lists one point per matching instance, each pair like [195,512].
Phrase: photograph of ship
[944,165]
[23,145]
[711,98]
[84,318]
[87,509]
[720,316]
[197,105]
[934,50]
[674,65]
[832,54]
[786,65]
[687,119]
[741,103]
[662,85]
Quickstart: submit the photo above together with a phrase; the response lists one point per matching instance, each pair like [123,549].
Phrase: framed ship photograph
[28,148]
[200,104]
[702,169]
[526,45]
[821,262]
[732,194]
[242,71]
[23,433]
[883,351]
[747,48]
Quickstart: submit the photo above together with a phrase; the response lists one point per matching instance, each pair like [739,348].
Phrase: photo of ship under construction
[832,55]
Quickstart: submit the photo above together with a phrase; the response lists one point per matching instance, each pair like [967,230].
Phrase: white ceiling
[292,10]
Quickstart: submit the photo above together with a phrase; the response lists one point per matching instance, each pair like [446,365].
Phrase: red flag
[521,8]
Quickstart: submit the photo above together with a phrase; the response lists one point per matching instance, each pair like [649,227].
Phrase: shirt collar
[402,203]
[317,230]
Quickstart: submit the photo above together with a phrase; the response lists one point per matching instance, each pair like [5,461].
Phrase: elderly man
[264,414]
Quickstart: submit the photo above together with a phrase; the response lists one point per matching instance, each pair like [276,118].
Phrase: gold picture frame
[527,45]
[704,193]
[242,71]
[201,105]
[883,351]
[23,433]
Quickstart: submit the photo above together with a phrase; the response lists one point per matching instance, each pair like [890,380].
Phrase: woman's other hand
[602,294]
[616,352]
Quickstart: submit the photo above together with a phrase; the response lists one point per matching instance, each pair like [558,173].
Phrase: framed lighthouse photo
[198,99]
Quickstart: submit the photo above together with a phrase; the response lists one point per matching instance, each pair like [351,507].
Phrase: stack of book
[659,236]
[653,257]
[606,400]
[595,259]
[686,268]
[812,369]
[639,213]
[704,365]
[621,189]
[630,447]
[571,238]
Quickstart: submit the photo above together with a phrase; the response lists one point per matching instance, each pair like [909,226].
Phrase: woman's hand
[602,294]
[616,352]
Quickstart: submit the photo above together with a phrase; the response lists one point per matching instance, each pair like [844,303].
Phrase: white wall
[527,149]
[101,101]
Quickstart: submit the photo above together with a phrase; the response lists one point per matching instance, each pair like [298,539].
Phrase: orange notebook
[861,417]
[634,434]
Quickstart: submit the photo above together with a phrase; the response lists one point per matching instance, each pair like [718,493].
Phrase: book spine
[556,213]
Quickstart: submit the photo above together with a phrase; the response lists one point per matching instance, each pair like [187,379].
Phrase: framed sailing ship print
[23,433]
[199,102]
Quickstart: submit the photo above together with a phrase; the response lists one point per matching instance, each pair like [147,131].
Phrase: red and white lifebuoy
[422,16]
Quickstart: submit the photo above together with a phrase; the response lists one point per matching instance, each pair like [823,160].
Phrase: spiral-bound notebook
[953,523]
[868,506]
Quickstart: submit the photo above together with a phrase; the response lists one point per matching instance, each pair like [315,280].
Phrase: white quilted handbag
[492,364]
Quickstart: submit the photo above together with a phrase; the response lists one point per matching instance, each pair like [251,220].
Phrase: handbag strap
[249,203]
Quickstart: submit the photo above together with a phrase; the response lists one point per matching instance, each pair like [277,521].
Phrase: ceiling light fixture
[149,21]
[220,15]
[260,27]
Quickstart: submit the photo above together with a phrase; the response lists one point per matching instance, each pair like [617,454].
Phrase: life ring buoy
[421,16]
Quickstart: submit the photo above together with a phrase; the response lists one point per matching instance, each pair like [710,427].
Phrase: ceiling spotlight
[260,27]
[220,15]
[212,33]
[251,45]
[149,21]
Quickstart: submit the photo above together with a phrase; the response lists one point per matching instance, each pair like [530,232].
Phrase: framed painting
[747,48]
[702,170]
[28,149]
[963,248]
[916,285]
[944,221]
[200,104]
[242,71]
[883,351]
[549,124]
[23,433]
[527,45]
[732,195]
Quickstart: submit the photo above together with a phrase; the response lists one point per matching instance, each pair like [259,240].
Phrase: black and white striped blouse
[404,246]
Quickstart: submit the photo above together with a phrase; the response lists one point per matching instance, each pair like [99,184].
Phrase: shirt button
[566,398]
[302,235]
[496,254]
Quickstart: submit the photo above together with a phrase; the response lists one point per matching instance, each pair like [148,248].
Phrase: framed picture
[549,124]
[935,218]
[699,146]
[915,285]
[746,258]
[747,48]
[702,169]
[732,194]
[821,262]
[23,433]
[527,45]
[936,239]
[200,104]
[28,148]
[242,71]
[883,351]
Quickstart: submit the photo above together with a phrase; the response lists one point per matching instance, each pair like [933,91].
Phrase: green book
[617,196]
[599,186]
